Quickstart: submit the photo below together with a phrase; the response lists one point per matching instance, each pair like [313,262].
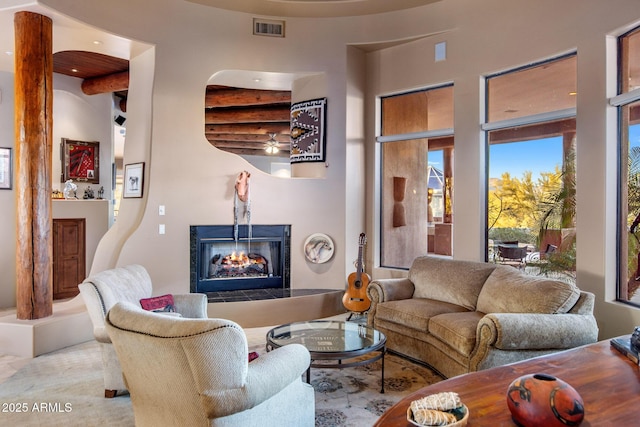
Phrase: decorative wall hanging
[6,169]
[242,195]
[80,161]
[399,186]
[133,180]
[308,139]
[318,248]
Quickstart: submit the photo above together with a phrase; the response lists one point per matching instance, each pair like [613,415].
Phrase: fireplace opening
[253,258]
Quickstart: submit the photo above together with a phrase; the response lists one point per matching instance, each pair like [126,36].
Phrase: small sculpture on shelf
[101,193]
[88,193]
[70,190]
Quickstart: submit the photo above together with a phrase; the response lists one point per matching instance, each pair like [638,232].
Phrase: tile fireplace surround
[245,258]
[262,294]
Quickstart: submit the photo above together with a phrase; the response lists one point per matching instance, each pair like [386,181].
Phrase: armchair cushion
[527,294]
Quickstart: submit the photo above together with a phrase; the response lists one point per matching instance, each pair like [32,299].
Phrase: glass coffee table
[332,343]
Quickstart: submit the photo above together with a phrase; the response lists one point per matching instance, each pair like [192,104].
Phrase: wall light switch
[440,51]
[161,210]
[161,229]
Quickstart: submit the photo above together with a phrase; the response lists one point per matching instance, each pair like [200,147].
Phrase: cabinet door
[68,256]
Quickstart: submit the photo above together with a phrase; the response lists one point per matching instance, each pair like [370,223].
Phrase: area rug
[65,388]
[351,397]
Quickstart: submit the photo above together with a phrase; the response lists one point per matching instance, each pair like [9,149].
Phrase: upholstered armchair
[195,372]
[131,283]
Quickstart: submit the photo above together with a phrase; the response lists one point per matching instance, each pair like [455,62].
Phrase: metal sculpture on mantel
[242,195]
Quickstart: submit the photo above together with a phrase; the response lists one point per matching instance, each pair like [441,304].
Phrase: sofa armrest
[192,306]
[519,331]
[267,376]
[532,331]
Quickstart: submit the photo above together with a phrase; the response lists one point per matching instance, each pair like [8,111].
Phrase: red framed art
[80,161]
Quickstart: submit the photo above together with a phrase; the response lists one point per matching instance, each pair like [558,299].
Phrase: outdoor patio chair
[512,255]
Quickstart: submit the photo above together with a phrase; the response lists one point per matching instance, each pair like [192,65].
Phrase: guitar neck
[359,268]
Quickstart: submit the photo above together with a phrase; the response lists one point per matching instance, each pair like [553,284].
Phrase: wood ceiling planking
[87,64]
[241,121]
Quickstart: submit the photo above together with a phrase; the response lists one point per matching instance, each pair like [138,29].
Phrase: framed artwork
[308,121]
[6,169]
[80,161]
[133,180]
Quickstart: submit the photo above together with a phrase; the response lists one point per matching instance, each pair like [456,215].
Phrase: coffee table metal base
[339,364]
[332,344]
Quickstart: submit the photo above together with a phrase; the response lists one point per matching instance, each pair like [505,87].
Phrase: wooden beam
[221,143]
[237,97]
[284,139]
[532,132]
[33,122]
[106,84]
[250,128]
[247,115]
[245,152]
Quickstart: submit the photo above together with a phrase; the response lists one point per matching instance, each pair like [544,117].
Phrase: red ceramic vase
[541,400]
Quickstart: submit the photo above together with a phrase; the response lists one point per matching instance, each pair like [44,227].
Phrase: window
[416,175]
[531,130]
[628,103]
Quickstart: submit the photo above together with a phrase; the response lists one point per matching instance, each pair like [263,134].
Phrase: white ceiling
[69,34]
[73,35]
[314,8]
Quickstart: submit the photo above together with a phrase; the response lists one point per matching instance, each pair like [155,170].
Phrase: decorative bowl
[541,400]
[461,413]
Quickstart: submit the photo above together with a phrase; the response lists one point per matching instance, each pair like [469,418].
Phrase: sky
[536,156]
[542,155]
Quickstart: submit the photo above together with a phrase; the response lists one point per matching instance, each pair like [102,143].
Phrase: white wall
[75,116]
[194,180]
[497,35]
[7,199]
[82,117]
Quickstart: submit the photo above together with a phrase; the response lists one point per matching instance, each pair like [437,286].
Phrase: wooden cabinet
[69,254]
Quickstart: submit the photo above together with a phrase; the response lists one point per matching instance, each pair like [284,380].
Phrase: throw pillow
[253,355]
[507,290]
[162,303]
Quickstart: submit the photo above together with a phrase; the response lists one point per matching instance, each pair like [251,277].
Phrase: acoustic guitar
[355,299]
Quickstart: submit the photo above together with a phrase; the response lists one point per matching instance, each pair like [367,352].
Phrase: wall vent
[268,27]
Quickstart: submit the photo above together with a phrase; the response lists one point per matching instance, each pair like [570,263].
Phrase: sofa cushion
[508,290]
[415,312]
[452,281]
[456,329]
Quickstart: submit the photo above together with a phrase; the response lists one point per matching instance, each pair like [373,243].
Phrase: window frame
[384,139]
[621,101]
[533,119]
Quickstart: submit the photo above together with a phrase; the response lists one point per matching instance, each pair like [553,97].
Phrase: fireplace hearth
[254,258]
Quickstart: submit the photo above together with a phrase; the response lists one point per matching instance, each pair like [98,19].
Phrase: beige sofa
[463,316]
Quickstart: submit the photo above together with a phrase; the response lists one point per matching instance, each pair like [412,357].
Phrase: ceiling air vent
[268,27]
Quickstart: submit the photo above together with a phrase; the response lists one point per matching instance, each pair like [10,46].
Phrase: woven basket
[462,414]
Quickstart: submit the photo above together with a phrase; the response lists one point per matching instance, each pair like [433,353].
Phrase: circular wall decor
[318,248]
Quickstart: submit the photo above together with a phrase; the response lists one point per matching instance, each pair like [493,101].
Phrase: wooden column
[33,134]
